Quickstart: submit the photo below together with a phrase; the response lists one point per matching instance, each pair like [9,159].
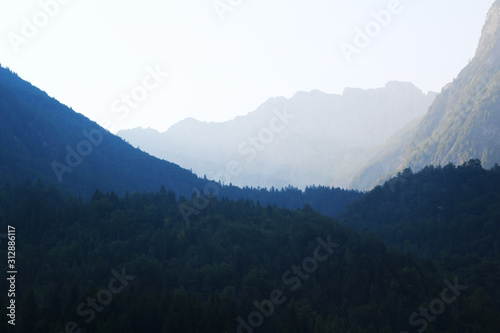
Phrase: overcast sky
[152,63]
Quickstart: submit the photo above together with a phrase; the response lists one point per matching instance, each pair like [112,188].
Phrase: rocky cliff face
[463,122]
[489,44]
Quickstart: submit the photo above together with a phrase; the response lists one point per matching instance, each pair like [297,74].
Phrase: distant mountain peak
[392,86]
[401,85]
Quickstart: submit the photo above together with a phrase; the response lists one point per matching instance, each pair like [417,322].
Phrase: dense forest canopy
[449,214]
[213,273]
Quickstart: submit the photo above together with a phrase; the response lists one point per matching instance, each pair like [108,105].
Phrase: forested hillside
[449,214]
[41,138]
[203,275]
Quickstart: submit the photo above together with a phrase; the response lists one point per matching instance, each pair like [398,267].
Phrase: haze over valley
[247,167]
[311,138]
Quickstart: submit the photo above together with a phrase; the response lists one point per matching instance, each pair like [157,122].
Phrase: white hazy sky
[90,53]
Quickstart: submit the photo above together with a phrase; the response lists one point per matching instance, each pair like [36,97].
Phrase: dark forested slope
[41,138]
[132,264]
[449,214]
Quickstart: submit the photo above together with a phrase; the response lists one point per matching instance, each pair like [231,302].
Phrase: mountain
[42,139]
[447,214]
[463,122]
[311,138]
[132,264]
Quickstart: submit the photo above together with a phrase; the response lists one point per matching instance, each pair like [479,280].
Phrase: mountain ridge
[31,125]
[323,139]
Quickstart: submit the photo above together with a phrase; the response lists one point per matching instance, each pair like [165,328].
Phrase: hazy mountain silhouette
[311,138]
